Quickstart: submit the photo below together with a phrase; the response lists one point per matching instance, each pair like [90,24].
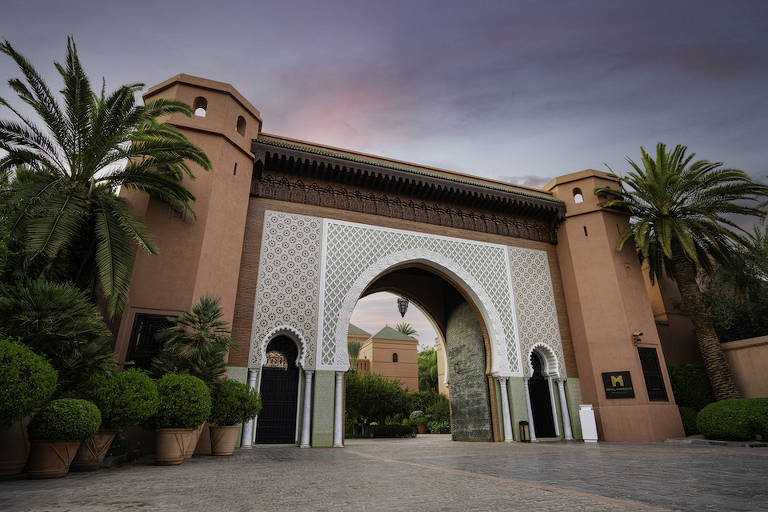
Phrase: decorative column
[508,437]
[530,411]
[305,417]
[554,407]
[248,427]
[564,410]
[338,424]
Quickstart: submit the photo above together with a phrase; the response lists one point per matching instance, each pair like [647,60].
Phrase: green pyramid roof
[388,333]
[356,331]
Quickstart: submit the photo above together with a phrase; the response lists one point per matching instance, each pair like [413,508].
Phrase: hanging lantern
[402,305]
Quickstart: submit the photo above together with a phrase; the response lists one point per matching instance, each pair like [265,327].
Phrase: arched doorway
[463,331]
[276,424]
[541,399]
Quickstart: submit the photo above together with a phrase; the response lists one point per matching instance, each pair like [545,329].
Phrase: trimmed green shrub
[233,402]
[688,415]
[391,431]
[690,385]
[373,397]
[420,421]
[125,399]
[440,410]
[27,380]
[738,419]
[439,427]
[185,402]
[66,419]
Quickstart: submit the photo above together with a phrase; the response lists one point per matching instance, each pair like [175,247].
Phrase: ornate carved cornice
[389,205]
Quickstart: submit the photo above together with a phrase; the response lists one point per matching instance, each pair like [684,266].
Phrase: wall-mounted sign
[618,385]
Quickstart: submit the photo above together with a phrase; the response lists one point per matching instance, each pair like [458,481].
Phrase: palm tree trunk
[684,272]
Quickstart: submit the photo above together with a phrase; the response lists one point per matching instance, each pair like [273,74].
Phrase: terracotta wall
[749,364]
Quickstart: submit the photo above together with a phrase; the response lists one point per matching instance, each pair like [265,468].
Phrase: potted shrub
[420,421]
[233,403]
[56,432]
[125,399]
[185,404]
[27,381]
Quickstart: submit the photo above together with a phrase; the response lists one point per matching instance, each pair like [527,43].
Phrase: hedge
[738,419]
[125,399]
[185,402]
[66,419]
[391,431]
[439,427]
[688,415]
[233,402]
[690,385]
[27,380]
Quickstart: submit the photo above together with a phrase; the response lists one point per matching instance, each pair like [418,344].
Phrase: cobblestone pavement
[427,473]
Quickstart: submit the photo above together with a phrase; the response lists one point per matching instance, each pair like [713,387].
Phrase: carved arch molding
[312,271]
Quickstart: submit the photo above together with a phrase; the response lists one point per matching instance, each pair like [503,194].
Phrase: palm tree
[682,222]
[64,177]
[353,349]
[406,329]
[197,343]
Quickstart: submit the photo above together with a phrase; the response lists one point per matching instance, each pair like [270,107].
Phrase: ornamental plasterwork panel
[288,286]
[354,254]
[535,306]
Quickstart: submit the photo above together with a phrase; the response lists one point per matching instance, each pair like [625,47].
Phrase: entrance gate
[279,394]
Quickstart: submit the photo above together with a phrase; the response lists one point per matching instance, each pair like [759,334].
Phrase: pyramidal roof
[356,331]
[388,333]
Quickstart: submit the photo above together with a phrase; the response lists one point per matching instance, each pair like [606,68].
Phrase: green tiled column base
[517,404]
[573,396]
[322,409]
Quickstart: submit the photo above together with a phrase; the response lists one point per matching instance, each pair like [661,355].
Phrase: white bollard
[588,425]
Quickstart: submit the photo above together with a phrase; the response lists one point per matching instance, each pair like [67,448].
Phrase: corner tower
[612,324]
[196,255]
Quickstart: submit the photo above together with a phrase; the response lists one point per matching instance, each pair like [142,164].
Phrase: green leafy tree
[406,328]
[681,220]
[373,397]
[59,322]
[63,174]
[196,343]
[737,294]
[427,363]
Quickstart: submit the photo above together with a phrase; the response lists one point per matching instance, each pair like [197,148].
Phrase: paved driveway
[427,473]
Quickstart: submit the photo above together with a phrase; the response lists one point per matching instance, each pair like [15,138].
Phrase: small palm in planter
[56,432]
[233,403]
[27,381]
[185,404]
[125,399]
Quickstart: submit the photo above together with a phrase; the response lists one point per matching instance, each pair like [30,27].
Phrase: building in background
[393,355]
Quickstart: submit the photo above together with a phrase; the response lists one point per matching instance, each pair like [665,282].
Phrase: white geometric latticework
[535,302]
[288,286]
[352,249]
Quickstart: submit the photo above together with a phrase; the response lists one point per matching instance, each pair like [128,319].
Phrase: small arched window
[394,357]
[241,125]
[578,197]
[200,106]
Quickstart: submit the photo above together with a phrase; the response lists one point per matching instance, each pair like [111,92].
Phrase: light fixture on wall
[525,432]
[637,337]
[402,305]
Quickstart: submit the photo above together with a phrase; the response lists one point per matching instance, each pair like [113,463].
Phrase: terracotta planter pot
[91,453]
[224,439]
[51,459]
[191,441]
[15,447]
[422,429]
[169,445]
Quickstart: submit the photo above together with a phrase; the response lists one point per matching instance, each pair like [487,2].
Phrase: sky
[375,311]
[514,90]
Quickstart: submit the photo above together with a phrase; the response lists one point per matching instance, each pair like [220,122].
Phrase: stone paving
[427,473]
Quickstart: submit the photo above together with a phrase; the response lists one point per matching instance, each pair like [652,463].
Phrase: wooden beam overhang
[310,165]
